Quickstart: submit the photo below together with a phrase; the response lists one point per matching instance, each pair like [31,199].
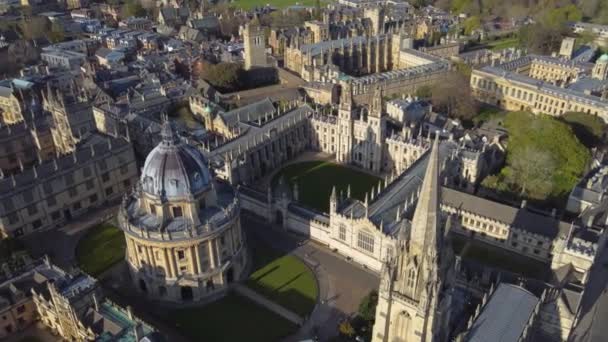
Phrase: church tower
[61,128]
[345,124]
[415,288]
[255,45]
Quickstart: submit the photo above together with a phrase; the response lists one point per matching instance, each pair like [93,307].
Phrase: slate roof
[521,218]
[505,316]
[248,113]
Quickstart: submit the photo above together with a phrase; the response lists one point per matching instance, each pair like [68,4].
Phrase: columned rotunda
[182,227]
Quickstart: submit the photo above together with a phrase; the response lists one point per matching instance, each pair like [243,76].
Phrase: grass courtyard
[283,279]
[101,247]
[316,178]
[232,318]
[249,4]
[498,258]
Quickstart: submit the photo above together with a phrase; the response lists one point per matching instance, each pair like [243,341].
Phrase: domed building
[182,227]
[600,70]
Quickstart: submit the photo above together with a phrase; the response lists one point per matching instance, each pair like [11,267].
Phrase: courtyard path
[268,304]
[342,284]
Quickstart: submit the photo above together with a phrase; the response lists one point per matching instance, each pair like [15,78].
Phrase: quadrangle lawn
[284,279]
[316,178]
[249,4]
[232,318]
[100,248]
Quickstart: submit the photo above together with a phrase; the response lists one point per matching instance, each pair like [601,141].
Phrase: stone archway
[187,293]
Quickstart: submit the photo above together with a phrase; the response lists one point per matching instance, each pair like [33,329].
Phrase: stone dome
[175,169]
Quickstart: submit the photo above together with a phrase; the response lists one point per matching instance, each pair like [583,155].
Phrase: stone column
[211,247]
[197,253]
[172,261]
[193,261]
[168,267]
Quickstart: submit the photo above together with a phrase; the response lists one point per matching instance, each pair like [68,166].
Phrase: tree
[541,39]
[424,92]
[530,172]
[223,76]
[132,8]
[346,329]
[367,307]
[57,33]
[471,24]
[559,17]
[34,28]
[453,96]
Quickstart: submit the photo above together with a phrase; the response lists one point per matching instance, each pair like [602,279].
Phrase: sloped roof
[505,316]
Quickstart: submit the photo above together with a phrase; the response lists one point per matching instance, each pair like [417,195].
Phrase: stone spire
[425,232]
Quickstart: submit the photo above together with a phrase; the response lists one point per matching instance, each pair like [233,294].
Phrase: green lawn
[500,258]
[232,318]
[316,178]
[100,248]
[502,43]
[249,4]
[283,279]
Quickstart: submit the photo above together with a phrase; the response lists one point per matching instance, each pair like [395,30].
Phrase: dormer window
[152,209]
[177,212]
[197,176]
[174,182]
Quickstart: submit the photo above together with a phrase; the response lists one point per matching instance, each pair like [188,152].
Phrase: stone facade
[255,46]
[542,85]
[183,230]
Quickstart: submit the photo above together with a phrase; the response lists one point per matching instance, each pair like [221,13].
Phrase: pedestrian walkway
[268,304]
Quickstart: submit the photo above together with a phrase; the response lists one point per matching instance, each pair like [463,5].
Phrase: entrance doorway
[187,293]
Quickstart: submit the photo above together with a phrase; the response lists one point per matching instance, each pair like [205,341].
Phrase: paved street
[342,284]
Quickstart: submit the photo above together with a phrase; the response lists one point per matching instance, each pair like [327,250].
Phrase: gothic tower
[255,45]
[376,16]
[61,128]
[345,121]
[415,288]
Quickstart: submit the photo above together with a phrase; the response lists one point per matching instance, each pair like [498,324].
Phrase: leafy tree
[424,92]
[541,39]
[471,24]
[346,329]
[367,307]
[34,27]
[530,172]
[132,8]
[544,159]
[559,17]
[57,33]
[223,76]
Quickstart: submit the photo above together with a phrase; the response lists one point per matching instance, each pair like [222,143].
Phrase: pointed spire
[348,191]
[333,194]
[425,230]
